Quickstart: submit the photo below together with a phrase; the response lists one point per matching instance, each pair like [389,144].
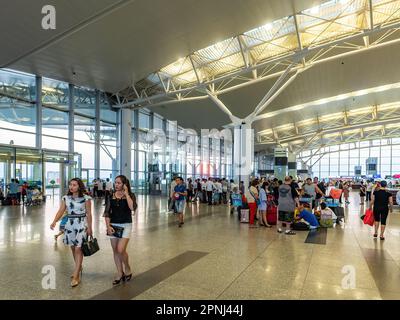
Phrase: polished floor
[212,257]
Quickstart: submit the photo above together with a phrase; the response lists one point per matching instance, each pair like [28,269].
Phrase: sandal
[382,238]
[375,235]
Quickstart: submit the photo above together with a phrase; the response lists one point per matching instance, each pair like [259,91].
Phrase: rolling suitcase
[272,213]
[244,215]
[339,211]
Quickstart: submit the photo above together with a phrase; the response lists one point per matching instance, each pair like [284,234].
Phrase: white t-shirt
[209,185]
[218,186]
[172,188]
[203,185]
[109,185]
[233,186]
[100,185]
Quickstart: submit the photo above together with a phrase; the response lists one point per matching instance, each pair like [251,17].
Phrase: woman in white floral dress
[79,224]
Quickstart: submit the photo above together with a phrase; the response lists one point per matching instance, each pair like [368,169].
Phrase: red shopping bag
[335,193]
[369,217]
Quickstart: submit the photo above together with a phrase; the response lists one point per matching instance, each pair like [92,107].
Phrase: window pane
[54,123]
[18,138]
[106,113]
[84,129]
[85,101]
[87,151]
[55,93]
[54,143]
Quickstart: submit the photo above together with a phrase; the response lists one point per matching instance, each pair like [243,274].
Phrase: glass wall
[18,108]
[340,160]
[180,154]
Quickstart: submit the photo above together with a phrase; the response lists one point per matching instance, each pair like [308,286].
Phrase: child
[63,222]
[307,215]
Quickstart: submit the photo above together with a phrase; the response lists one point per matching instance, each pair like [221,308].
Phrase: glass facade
[340,160]
[177,152]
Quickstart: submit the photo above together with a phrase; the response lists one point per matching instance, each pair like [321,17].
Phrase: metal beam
[194,69]
[371,15]
[299,38]
[241,45]
[223,107]
[293,56]
[344,128]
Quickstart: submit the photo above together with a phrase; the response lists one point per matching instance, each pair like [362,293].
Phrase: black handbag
[118,231]
[90,246]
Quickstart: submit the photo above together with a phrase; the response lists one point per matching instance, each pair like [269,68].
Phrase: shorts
[179,205]
[262,207]
[381,214]
[127,230]
[285,216]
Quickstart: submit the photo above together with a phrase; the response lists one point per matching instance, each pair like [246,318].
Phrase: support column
[292,165]
[205,154]
[62,180]
[164,154]
[71,129]
[38,112]
[136,162]
[97,137]
[125,129]
[243,153]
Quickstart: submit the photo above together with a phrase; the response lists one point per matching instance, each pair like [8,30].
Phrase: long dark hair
[126,182]
[81,190]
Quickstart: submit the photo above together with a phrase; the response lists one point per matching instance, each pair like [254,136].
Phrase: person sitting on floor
[328,217]
[307,215]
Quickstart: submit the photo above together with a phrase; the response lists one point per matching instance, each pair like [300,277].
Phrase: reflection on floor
[212,257]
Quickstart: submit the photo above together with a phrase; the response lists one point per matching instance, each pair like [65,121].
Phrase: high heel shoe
[75,282]
[128,277]
[79,272]
[117,281]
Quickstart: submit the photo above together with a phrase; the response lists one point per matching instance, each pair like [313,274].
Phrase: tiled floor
[212,257]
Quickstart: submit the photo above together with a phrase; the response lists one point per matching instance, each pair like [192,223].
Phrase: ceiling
[110,44]
[368,69]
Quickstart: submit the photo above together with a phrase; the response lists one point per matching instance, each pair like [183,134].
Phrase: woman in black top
[380,202]
[118,216]
[362,193]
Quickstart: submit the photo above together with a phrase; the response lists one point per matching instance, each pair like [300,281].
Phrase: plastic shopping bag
[369,217]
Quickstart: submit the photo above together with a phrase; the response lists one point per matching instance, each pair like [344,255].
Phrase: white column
[243,153]
[125,142]
[97,136]
[136,162]
[38,112]
[71,171]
